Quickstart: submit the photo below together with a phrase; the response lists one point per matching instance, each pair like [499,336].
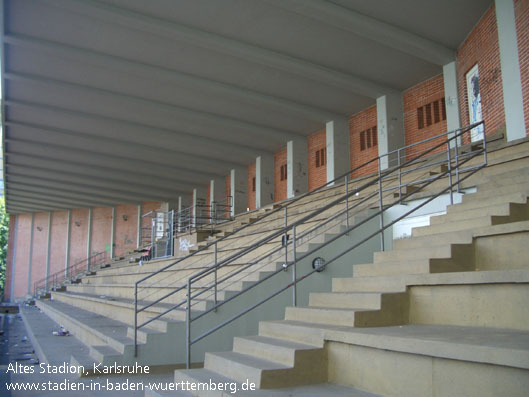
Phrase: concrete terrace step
[277,350]
[419,266]
[466,224]
[502,209]
[430,252]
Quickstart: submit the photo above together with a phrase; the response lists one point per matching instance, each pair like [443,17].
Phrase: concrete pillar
[238,190]
[337,137]
[264,180]
[30,260]
[217,193]
[510,70]
[140,217]
[199,196]
[390,127]
[453,119]
[68,227]
[13,261]
[48,248]
[89,240]
[112,232]
[297,167]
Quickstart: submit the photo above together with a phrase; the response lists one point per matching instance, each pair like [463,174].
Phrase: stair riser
[461,237]
[359,300]
[292,333]
[481,305]
[366,284]
[413,375]
[503,209]
[442,251]
[455,226]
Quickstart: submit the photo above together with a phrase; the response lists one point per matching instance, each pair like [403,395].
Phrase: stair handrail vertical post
[172,234]
[285,239]
[136,320]
[347,200]
[216,274]
[294,277]
[484,145]
[188,325]
[449,159]
[456,155]
[400,173]
[381,206]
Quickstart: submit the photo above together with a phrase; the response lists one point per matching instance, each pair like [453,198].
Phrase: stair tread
[108,327]
[106,350]
[279,342]
[482,344]
[250,361]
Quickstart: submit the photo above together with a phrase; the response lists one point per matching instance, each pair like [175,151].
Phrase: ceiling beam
[95,171]
[163,134]
[115,161]
[110,146]
[158,73]
[215,42]
[118,195]
[100,182]
[369,28]
[38,202]
[96,198]
[194,115]
[35,192]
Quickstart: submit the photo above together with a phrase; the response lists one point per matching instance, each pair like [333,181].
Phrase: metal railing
[376,188]
[70,274]
[346,179]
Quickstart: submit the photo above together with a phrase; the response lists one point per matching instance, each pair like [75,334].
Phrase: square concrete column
[238,190]
[510,70]
[453,119]
[199,197]
[297,167]
[337,137]
[264,180]
[390,127]
[217,194]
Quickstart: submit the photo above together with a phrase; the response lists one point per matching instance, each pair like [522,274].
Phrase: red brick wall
[40,247]
[22,255]
[521,13]
[358,123]
[101,229]
[126,230]
[280,186]
[251,193]
[481,47]
[78,235]
[9,257]
[317,176]
[418,96]
[59,226]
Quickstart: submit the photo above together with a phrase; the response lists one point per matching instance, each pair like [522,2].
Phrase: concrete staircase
[442,314]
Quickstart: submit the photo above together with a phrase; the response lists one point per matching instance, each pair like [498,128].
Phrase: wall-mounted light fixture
[125,218]
[39,228]
[77,223]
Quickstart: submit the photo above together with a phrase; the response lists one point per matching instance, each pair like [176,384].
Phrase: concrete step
[346,300]
[503,209]
[279,350]
[430,252]
[466,224]
[263,373]
[296,331]
[462,236]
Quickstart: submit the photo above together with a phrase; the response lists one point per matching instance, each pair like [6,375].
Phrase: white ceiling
[123,101]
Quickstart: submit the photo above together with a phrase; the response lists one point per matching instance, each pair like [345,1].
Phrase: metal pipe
[450,172]
[136,320]
[347,201]
[381,207]
[216,284]
[294,288]
[188,325]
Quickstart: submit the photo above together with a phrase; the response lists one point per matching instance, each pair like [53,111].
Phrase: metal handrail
[70,273]
[283,208]
[382,175]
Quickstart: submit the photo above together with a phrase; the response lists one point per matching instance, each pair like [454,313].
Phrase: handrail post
[450,171]
[347,201]
[456,150]
[136,320]
[285,242]
[294,284]
[188,325]
[484,144]
[381,207]
[215,275]
[400,175]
